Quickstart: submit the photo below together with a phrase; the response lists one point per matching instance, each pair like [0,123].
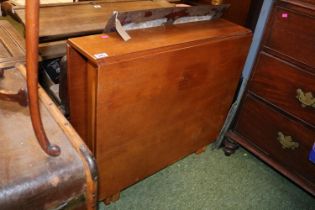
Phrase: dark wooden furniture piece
[276,120]
[151,101]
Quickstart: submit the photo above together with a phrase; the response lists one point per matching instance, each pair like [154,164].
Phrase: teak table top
[68,20]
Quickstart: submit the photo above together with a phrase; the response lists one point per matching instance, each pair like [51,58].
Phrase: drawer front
[285,86]
[285,140]
[291,33]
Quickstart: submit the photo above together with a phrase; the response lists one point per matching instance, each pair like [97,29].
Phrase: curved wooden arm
[32,34]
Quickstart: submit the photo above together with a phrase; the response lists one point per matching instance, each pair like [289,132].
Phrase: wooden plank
[22,2]
[69,20]
[12,45]
[50,50]
[237,13]
[96,44]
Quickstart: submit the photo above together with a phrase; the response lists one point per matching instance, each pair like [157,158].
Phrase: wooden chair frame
[32,36]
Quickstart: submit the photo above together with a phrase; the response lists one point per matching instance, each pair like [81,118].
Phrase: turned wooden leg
[229,146]
[112,199]
[201,150]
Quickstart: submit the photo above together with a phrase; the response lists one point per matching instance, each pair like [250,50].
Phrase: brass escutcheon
[217,2]
[306,99]
[287,141]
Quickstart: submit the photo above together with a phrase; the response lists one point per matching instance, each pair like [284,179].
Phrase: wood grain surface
[291,34]
[277,81]
[148,40]
[63,21]
[156,98]
[236,13]
[22,2]
[12,46]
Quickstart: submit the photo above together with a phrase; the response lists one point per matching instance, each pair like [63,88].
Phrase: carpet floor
[213,181]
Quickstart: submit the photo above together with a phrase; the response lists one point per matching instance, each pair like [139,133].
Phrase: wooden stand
[229,147]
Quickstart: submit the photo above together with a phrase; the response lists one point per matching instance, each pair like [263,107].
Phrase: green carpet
[214,181]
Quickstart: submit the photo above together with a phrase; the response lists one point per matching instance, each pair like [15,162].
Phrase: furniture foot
[201,150]
[229,146]
[112,199]
[20,97]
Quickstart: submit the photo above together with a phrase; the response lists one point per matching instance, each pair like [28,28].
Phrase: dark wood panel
[292,33]
[237,13]
[278,81]
[77,84]
[260,124]
[309,3]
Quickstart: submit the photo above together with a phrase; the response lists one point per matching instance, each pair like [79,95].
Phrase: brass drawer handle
[287,141]
[306,99]
[217,2]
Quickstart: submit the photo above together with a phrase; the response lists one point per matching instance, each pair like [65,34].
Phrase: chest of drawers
[276,119]
[154,99]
